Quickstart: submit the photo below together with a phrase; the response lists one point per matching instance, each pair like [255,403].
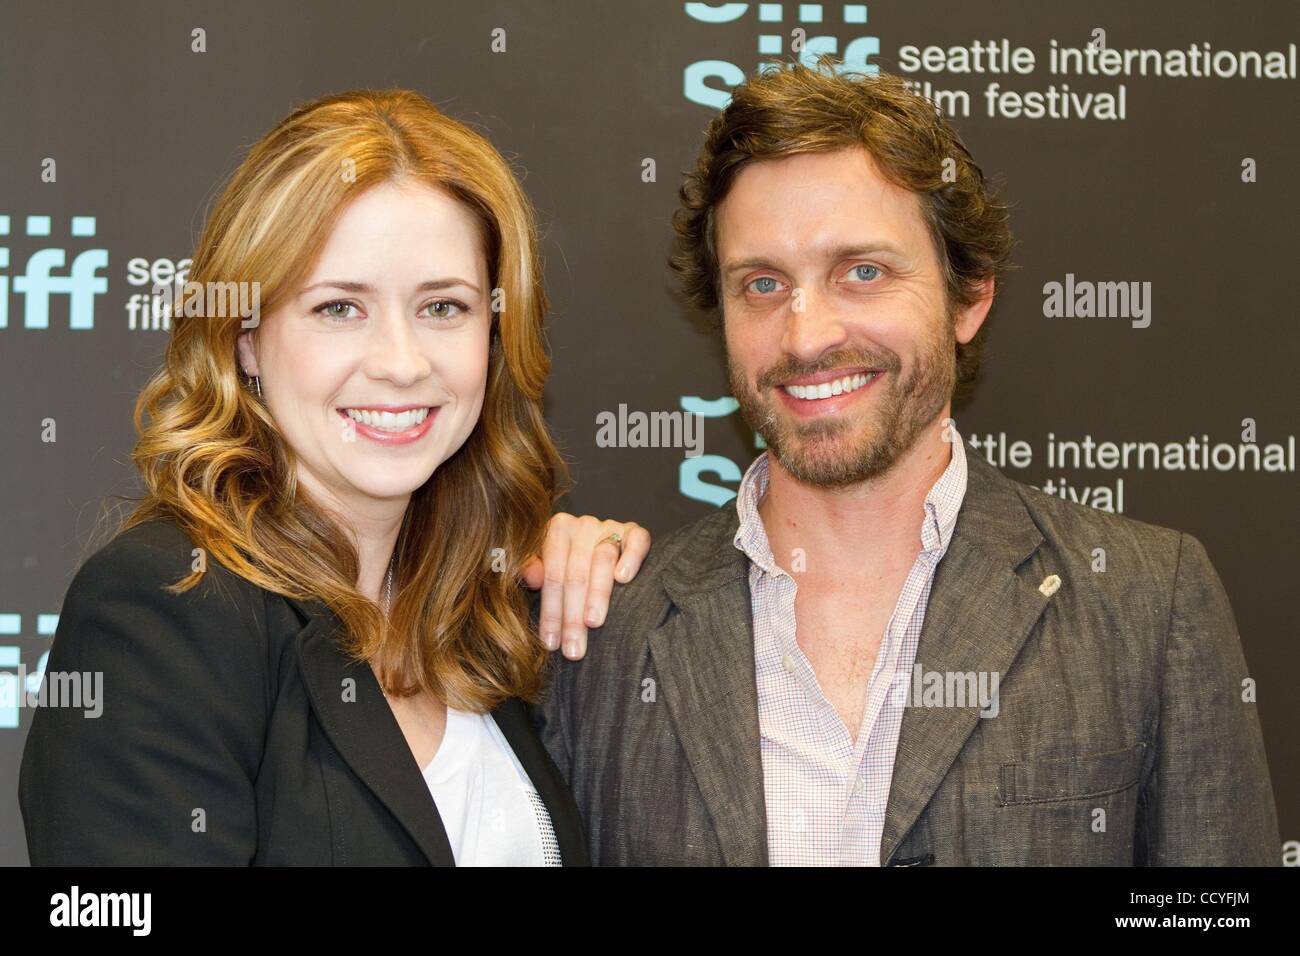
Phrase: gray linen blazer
[1121,692]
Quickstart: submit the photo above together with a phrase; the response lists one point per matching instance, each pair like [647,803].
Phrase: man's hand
[576,572]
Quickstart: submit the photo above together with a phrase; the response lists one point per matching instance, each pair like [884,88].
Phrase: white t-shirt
[491,811]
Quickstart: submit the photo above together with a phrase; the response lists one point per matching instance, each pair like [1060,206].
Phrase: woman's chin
[391,483]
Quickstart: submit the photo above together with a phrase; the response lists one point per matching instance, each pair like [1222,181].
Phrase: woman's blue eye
[858,273]
[763,279]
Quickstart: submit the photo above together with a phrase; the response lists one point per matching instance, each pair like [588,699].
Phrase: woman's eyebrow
[432,285]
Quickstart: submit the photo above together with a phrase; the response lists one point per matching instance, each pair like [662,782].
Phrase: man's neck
[850,532]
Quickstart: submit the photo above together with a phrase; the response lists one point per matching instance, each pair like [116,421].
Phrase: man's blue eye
[765,289]
[858,273]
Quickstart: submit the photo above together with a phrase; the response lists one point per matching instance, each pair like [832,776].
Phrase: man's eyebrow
[431,285]
[834,255]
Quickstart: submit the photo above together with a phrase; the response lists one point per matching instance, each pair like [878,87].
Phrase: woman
[312,638]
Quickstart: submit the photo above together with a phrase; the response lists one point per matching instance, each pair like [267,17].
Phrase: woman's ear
[247,354]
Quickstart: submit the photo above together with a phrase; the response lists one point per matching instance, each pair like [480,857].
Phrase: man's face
[840,344]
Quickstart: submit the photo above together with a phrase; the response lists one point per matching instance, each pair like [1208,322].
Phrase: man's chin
[829,463]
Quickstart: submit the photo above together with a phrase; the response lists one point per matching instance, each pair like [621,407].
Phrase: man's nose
[813,327]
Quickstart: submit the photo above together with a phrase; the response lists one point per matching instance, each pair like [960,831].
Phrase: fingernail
[621,573]
[593,618]
[551,640]
[570,649]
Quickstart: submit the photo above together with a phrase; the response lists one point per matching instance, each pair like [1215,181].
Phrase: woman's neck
[372,524]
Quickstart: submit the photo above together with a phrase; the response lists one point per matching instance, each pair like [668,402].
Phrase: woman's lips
[383,437]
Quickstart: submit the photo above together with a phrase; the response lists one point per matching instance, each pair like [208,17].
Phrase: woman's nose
[395,352]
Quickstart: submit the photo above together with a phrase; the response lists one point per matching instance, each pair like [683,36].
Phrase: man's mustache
[790,370]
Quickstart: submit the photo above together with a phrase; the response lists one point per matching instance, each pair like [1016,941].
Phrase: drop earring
[258,380]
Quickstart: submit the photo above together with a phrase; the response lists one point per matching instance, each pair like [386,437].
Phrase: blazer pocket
[1070,778]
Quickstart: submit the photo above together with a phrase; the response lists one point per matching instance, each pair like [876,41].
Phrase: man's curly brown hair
[800,109]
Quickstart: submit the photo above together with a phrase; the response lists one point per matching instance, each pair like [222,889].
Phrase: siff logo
[693,472]
[12,684]
[37,283]
[855,59]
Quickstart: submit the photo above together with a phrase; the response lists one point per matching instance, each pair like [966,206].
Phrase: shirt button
[788,663]
[858,787]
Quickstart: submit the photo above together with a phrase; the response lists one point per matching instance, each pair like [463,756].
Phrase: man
[887,652]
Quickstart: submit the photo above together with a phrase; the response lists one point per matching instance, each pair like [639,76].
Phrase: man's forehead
[816,203]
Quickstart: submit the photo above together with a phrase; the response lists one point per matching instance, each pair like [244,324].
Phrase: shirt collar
[942,505]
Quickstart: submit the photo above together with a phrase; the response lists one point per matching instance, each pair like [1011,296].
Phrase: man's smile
[827,392]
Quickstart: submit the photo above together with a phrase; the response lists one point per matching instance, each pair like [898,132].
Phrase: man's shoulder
[681,563]
[702,536]
[1093,538]
[1070,518]
[686,554]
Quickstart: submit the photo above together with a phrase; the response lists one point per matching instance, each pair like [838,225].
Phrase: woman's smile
[390,424]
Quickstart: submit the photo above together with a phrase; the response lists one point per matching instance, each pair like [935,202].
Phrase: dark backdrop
[142,129]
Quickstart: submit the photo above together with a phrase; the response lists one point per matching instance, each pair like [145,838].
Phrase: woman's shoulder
[121,617]
[138,564]
[182,683]
[154,540]
[155,548]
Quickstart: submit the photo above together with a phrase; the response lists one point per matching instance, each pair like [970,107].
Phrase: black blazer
[225,737]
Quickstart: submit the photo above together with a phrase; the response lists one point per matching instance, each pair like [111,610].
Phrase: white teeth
[841,386]
[388,421]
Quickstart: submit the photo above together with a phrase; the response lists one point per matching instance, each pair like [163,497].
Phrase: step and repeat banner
[1142,356]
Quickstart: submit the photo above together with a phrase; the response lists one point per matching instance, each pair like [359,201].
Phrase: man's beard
[838,451]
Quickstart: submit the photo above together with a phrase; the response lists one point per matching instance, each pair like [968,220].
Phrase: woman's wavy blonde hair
[213,459]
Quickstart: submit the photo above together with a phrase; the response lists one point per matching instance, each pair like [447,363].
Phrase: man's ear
[247,354]
[971,317]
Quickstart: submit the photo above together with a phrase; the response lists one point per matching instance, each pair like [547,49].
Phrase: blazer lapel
[704,658]
[517,727]
[978,617]
[364,731]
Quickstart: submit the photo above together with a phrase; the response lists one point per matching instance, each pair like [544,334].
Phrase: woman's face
[375,369]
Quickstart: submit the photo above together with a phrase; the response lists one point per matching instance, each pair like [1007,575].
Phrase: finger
[555,557]
[576,577]
[601,582]
[636,545]
[534,573]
